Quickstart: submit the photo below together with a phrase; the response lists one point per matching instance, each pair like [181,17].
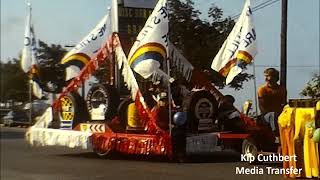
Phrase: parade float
[159,114]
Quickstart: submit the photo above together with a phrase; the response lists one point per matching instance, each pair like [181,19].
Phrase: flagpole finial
[28,3]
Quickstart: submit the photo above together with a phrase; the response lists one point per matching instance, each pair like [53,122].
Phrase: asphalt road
[19,161]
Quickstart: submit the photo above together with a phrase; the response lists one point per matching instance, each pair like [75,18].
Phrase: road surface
[20,161]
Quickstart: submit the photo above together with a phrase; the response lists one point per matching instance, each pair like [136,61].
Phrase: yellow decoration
[286,129]
[311,154]
[284,119]
[133,118]
[301,120]
[84,127]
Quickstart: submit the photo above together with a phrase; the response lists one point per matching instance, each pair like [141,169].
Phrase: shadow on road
[11,134]
[219,157]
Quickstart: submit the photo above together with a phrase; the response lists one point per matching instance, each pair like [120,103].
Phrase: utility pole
[283,52]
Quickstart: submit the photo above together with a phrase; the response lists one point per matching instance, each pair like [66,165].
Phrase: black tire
[72,109]
[103,94]
[250,148]
[199,105]
[122,111]
[103,155]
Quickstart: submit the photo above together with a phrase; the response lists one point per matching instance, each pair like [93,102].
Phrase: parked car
[14,118]
[3,112]
[38,108]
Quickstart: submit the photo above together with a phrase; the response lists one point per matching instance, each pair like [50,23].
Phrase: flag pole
[255,88]
[169,87]
[30,100]
[30,74]
[169,95]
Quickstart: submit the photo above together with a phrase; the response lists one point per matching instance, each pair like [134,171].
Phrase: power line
[290,66]
[258,7]
[261,4]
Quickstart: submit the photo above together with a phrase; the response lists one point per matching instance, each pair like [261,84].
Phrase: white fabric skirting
[40,135]
[57,137]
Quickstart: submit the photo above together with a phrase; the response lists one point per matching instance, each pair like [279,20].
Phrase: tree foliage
[201,40]
[13,81]
[312,89]
[51,72]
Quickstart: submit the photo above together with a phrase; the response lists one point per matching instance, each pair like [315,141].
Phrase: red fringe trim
[131,144]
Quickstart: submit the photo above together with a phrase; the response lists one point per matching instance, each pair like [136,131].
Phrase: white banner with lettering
[149,52]
[79,56]
[240,47]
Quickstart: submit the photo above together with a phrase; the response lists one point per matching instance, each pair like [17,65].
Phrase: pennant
[150,50]
[179,62]
[240,47]
[81,54]
[127,73]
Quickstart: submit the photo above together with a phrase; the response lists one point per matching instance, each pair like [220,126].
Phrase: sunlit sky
[67,22]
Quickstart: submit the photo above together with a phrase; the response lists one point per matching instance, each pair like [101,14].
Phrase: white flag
[81,54]
[240,47]
[151,47]
[28,58]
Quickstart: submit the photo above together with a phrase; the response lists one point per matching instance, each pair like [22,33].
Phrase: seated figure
[228,116]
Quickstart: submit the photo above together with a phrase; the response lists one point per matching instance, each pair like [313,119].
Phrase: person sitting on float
[161,111]
[272,99]
[180,90]
[228,116]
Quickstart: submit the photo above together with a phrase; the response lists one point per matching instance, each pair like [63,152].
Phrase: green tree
[13,81]
[51,72]
[312,89]
[201,40]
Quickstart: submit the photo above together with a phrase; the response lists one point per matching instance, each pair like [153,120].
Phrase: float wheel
[200,106]
[103,94]
[72,110]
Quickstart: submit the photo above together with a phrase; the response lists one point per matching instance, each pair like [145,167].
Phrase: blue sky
[67,22]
